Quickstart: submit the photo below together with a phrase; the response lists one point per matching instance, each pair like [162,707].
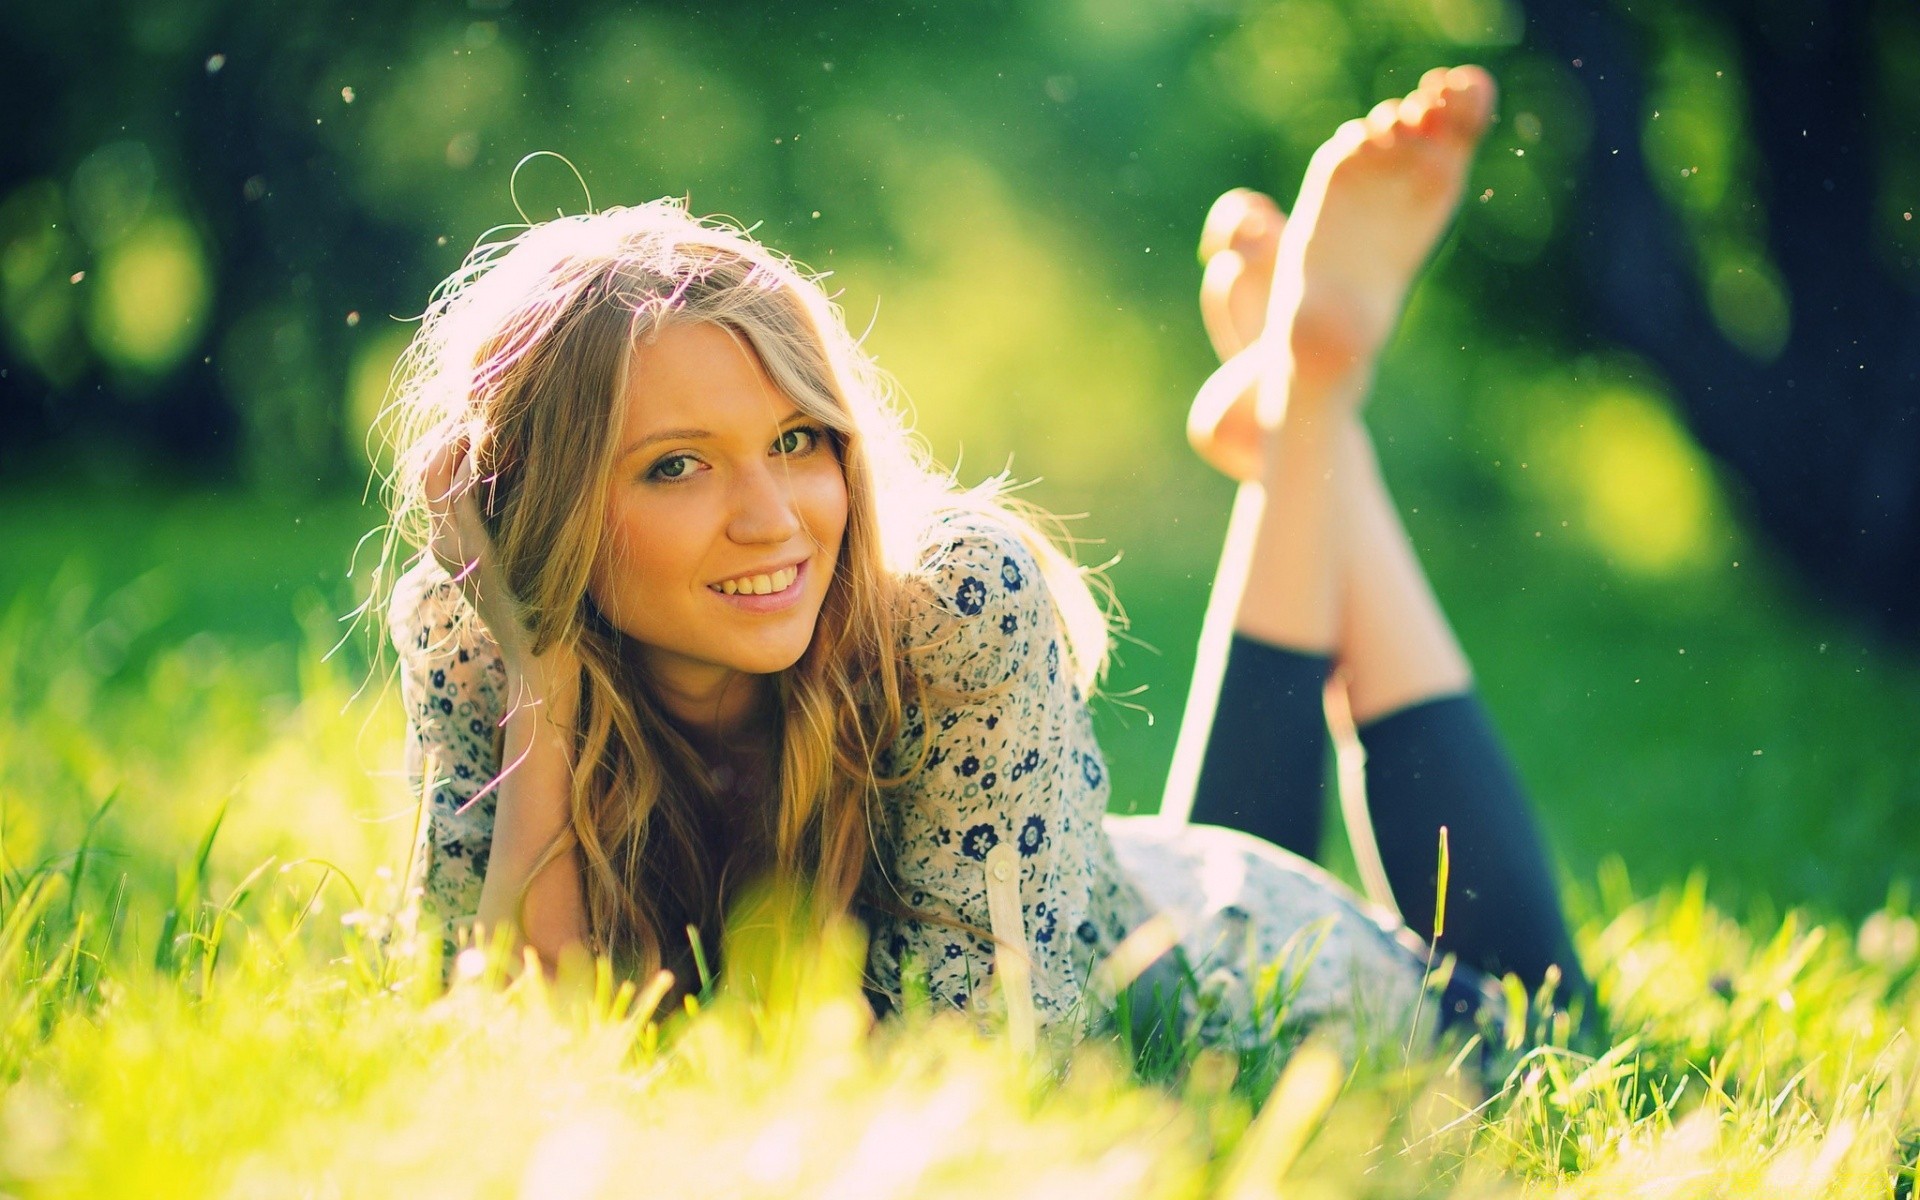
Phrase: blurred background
[1650,416]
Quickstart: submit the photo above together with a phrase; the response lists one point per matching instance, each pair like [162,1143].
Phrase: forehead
[698,375]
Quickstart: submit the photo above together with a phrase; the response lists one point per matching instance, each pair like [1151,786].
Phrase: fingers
[456,534]
[449,470]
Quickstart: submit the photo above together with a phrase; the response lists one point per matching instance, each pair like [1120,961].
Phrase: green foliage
[208,982]
[1007,205]
[1006,201]
[188,1006]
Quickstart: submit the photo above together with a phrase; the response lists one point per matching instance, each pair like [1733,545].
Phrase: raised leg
[1433,758]
[1318,565]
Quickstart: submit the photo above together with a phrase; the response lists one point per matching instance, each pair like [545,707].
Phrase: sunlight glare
[152,297]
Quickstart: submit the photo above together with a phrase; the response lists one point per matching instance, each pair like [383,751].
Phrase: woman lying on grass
[695,614]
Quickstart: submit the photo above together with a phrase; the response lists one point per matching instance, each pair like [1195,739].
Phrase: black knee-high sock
[1265,763]
[1441,763]
[1436,763]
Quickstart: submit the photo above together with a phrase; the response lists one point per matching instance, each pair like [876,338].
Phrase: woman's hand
[543,697]
[457,538]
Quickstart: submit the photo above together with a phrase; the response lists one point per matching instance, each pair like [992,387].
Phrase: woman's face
[725,516]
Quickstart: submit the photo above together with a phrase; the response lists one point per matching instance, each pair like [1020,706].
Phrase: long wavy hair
[525,352]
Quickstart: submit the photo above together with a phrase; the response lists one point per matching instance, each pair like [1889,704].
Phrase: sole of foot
[1376,198]
[1238,245]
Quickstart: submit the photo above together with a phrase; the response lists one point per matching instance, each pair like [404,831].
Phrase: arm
[532,780]
[533,812]
[1010,770]
[451,686]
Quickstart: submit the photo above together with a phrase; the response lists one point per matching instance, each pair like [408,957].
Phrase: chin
[772,661]
[776,653]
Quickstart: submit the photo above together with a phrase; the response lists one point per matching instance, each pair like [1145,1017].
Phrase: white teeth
[759,585]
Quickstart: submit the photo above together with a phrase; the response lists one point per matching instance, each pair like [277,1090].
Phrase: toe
[1470,93]
[1238,277]
[1225,215]
[1258,236]
[1217,309]
[1347,140]
[1382,118]
[1417,112]
[1242,220]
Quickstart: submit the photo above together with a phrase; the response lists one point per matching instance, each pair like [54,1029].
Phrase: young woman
[695,614]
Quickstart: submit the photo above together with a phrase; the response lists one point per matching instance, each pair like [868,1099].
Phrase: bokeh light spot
[1286,66]
[1478,22]
[38,300]
[1645,491]
[1514,223]
[151,296]
[368,382]
[112,188]
[1749,303]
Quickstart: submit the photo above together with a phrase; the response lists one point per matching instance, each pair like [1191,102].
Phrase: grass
[208,985]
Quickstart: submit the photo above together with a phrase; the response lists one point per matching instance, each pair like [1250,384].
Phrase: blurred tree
[179,256]
[218,207]
[1796,356]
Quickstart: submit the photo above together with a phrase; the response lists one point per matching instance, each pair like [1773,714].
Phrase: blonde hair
[524,353]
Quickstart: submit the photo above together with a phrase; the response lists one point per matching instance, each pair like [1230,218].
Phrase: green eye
[800,440]
[675,467]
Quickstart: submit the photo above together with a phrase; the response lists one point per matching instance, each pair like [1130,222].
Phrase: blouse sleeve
[1009,759]
[452,683]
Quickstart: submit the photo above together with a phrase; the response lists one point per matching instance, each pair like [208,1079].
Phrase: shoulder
[428,618]
[973,560]
[981,609]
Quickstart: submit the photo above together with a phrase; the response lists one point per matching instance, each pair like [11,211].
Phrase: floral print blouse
[1009,771]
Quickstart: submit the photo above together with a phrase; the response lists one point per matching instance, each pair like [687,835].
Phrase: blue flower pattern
[971,598]
[979,840]
[1033,835]
[1011,577]
[1012,757]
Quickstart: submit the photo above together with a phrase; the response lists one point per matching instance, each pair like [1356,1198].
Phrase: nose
[763,506]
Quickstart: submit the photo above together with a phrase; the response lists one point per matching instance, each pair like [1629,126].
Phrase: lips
[747,598]
[767,584]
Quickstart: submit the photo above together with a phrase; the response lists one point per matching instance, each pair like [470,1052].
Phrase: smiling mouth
[758,585]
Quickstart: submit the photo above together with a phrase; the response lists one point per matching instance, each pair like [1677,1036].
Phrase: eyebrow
[693,435]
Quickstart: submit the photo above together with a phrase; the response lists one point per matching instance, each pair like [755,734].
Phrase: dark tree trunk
[1825,437]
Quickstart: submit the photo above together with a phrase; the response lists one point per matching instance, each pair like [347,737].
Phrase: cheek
[608,566]
[823,505]
[638,554]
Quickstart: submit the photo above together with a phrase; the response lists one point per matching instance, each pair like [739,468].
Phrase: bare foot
[1238,245]
[1376,197]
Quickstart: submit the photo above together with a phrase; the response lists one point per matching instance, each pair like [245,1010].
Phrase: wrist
[546,684]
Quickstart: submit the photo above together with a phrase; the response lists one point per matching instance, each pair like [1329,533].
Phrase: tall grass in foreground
[209,986]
